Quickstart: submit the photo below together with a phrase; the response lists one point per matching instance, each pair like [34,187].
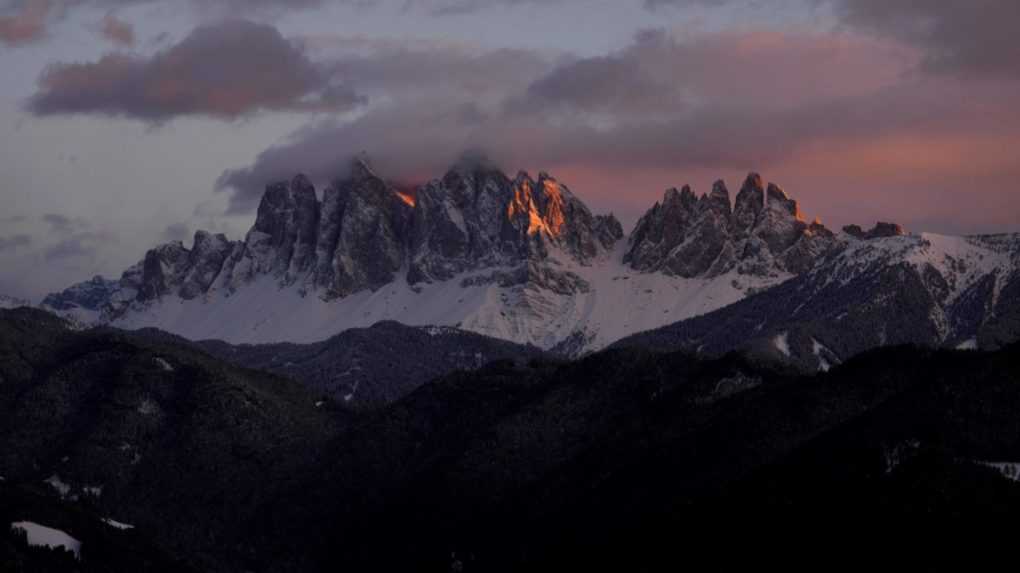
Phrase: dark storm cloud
[224,70]
[14,241]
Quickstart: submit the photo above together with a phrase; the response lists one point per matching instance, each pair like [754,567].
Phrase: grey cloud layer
[226,70]
[971,37]
[14,241]
[968,37]
[718,101]
[25,21]
[73,238]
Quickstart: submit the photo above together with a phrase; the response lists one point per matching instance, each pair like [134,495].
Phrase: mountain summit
[522,258]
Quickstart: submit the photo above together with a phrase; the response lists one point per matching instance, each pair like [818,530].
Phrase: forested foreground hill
[628,459]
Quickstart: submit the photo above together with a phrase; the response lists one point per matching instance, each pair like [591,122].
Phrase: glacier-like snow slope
[620,302]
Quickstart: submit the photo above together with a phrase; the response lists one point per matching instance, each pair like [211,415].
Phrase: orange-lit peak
[554,216]
[406,196]
[544,208]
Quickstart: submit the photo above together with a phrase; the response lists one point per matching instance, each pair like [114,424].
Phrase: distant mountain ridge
[519,258]
[929,290]
[366,368]
[12,302]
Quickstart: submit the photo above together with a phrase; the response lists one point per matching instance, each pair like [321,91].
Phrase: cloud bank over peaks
[224,70]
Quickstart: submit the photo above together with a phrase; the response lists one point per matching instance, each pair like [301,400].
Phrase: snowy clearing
[42,536]
[782,343]
[117,524]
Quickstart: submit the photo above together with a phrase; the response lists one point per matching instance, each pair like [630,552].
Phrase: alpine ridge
[522,259]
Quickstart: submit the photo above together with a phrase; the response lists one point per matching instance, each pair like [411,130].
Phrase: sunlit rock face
[475,217]
[764,233]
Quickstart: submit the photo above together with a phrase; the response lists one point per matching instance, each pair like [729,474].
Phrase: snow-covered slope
[618,301]
[927,289]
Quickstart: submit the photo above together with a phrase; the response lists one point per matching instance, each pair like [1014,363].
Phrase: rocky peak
[89,295]
[476,217]
[282,241]
[879,231]
[208,253]
[778,201]
[361,169]
[749,205]
[162,269]
[718,201]
[763,234]
[370,221]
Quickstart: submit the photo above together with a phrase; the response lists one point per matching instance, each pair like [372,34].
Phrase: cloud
[971,38]
[79,245]
[14,241]
[25,23]
[786,101]
[75,238]
[711,100]
[59,223]
[72,248]
[430,101]
[117,31]
[176,232]
[224,70]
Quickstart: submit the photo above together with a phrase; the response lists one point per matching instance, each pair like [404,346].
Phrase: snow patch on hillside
[619,302]
[782,343]
[57,484]
[821,352]
[162,363]
[42,536]
[117,524]
[1009,470]
[970,344]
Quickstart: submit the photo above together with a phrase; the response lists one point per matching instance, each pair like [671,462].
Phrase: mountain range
[524,260]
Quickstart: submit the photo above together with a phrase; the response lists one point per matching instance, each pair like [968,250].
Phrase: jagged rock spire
[763,234]
[880,230]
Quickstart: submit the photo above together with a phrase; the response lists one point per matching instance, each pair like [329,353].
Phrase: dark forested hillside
[156,435]
[629,459]
[365,368]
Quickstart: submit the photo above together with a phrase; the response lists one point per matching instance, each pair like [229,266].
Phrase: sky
[128,123]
